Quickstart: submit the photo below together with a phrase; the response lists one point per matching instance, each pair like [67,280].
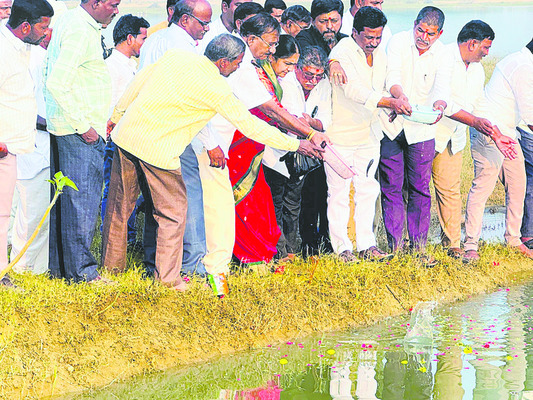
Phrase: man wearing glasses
[189,23]
[295,19]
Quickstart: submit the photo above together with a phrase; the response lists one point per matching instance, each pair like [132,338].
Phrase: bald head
[194,16]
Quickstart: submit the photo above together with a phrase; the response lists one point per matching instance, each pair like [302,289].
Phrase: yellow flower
[404,362]
[283,361]
[467,350]
[422,369]
[330,352]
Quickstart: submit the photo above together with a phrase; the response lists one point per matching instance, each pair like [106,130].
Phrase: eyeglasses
[203,23]
[273,45]
[309,76]
[303,28]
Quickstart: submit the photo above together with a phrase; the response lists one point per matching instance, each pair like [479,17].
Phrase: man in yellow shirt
[156,121]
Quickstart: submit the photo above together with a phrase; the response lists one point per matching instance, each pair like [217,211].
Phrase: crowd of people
[215,128]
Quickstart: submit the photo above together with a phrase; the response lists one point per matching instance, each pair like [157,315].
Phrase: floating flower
[509,358]
[404,362]
[467,350]
[330,352]
[283,361]
[422,369]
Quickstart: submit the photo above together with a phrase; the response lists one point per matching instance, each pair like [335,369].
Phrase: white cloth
[364,159]
[466,94]
[294,101]
[424,79]
[249,89]
[122,71]
[355,104]
[30,202]
[8,172]
[509,93]
[173,37]
[18,108]
[31,164]
[215,28]
[347,27]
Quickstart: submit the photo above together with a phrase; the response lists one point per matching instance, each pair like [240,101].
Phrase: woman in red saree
[256,229]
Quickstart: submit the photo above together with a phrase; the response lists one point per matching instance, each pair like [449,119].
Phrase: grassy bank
[57,338]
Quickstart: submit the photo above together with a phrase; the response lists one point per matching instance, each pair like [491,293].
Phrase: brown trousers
[166,190]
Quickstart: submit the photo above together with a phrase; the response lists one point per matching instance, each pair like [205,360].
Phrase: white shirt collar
[181,34]
[18,44]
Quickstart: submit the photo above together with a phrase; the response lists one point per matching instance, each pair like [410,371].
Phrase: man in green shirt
[78,96]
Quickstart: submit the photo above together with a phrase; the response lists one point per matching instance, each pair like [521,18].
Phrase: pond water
[478,349]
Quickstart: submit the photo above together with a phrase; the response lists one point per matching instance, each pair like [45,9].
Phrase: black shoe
[6,283]
[529,244]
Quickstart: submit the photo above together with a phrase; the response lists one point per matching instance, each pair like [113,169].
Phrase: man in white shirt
[306,94]
[355,5]
[224,24]
[468,80]
[129,35]
[356,132]
[32,191]
[27,25]
[509,100]
[417,73]
[188,25]
[261,34]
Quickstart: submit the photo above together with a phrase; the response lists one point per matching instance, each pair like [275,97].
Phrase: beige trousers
[489,165]
[219,216]
[167,192]
[447,180]
[8,172]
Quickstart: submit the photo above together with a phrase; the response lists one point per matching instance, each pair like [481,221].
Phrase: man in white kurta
[18,108]
[356,132]
[356,5]
[509,101]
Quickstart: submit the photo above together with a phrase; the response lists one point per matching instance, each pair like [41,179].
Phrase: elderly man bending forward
[157,122]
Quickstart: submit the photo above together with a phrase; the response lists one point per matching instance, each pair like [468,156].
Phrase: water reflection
[481,349]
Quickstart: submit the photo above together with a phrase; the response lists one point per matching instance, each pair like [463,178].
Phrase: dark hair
[224,46]
[296,13]
[259,24]
[477,30]
[30,11]
[128,25]
[432,16]
[171,3]
[246,9]
[313,56]
[530,46]
[369,17]
[182,7]
[271,4]
[319,7]
[286,47]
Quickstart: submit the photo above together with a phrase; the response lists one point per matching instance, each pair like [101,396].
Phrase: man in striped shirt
[156,122]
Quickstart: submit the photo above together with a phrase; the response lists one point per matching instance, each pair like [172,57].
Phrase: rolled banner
[336,162]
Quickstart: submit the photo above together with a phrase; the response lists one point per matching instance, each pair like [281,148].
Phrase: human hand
[110,126]
[90,136]
[3,150]
[310,149]
[505,144]
[337,74]
[217,158]
[483,125]
[439,105]
[319,138]
[401,106]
